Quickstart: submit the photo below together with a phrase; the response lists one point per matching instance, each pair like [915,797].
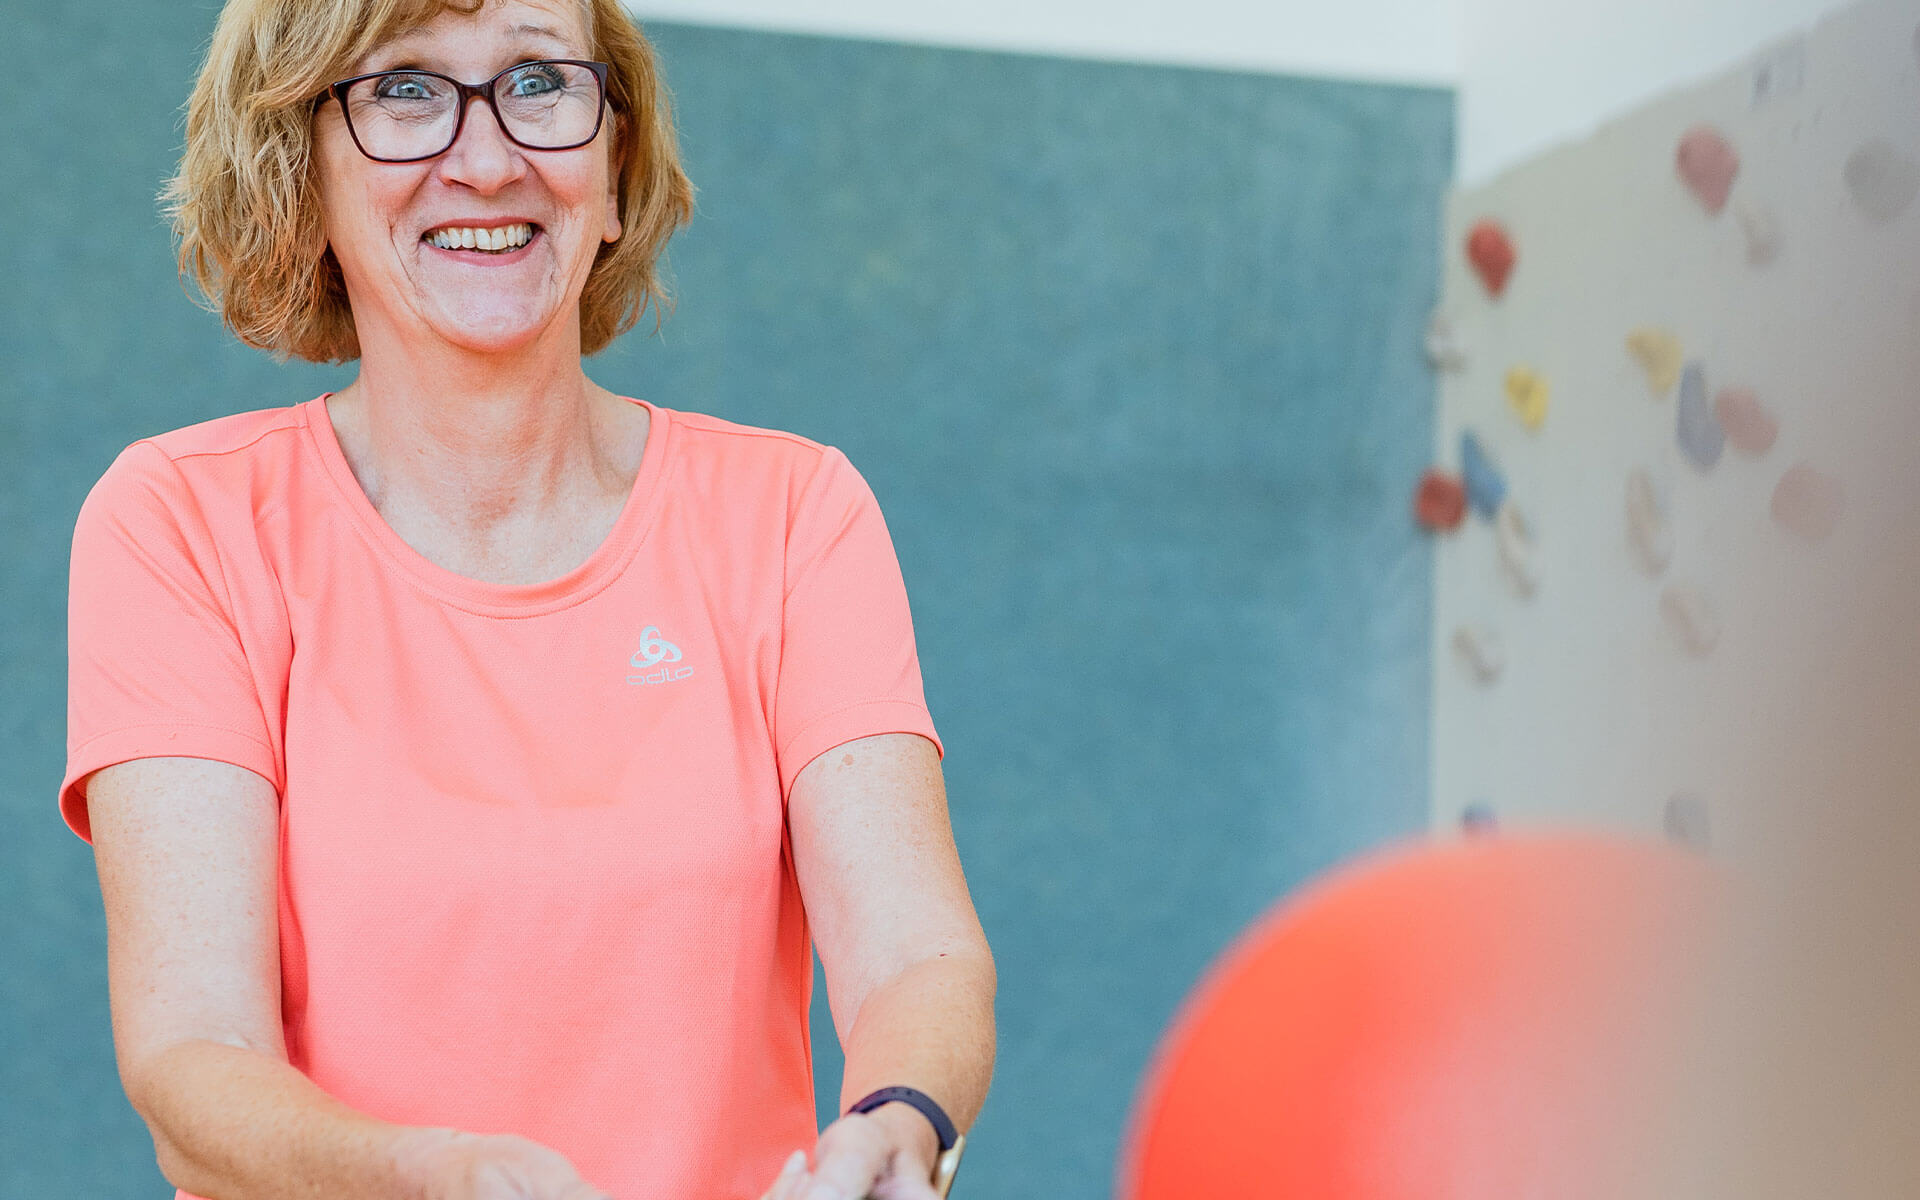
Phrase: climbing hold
[1659,355]
[1480,652]
[1527,394]
[1691,617]
[1486,486]
[1444,351]
[1762,231]
[1491,252]
[1478,818]
[1513,542]
[1701,438]
[1440,502]
[1749,427]
[1707,163]
[1649,532]
[1808,502]
[1685,820]
[1883,181]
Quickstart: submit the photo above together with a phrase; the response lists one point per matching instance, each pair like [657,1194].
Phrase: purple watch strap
[943,1126]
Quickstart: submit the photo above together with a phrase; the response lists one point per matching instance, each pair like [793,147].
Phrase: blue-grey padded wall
[1129,355]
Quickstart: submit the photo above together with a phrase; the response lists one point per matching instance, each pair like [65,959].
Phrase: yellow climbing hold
[1527,393]
[1659,354]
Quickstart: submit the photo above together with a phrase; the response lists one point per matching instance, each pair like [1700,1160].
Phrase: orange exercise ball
[1494,1018]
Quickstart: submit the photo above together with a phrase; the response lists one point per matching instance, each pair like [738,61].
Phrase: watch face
[948,1165]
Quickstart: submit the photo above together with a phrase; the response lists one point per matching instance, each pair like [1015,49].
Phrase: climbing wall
[1672,495]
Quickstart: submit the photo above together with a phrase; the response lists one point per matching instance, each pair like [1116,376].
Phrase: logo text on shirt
[654,660]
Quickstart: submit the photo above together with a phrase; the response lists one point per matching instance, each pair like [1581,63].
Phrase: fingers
[852,1154]
[895,1186]
[902,1180]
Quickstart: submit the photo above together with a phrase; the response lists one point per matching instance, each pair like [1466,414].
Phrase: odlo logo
[655,658]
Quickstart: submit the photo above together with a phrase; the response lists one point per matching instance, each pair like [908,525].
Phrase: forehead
[556,28]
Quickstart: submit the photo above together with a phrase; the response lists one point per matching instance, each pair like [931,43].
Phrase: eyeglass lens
[413,114]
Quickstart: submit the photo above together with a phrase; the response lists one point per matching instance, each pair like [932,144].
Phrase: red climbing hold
[1440,502]
[1491,252]
[1707,163]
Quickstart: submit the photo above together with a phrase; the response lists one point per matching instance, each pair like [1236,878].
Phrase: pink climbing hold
[1707,163]
[1440,502]
[1808,502]
[1491,252]
[1750,428]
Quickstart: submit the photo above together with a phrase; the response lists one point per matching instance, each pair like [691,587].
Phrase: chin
[500,333]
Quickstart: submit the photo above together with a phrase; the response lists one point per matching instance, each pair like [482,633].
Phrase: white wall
[1809,700]
[1387,40]
[1530,73]
[1534,73]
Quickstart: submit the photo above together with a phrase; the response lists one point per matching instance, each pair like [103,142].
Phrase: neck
[478,439]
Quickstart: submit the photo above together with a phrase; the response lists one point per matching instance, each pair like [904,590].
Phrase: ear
[612,231]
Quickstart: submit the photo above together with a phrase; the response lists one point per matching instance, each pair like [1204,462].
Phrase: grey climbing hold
[1649,531]
[1701,438]
[1444,349]
[1685,820]
[1480,652]
[1762,231]
[1691,617]
[1882,180]
[1513,542]
[1479,818]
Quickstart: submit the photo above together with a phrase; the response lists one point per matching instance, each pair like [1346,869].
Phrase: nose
[482,157]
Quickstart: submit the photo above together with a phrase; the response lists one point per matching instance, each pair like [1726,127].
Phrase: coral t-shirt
[534,873]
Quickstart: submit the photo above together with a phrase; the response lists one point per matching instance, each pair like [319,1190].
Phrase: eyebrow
[537,31]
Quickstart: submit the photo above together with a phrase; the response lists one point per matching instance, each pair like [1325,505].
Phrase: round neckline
[480,596]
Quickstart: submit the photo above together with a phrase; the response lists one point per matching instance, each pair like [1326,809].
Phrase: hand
[858,1156]
[446,1164]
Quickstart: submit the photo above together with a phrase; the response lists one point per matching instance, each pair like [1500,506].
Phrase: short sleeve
[848,665]
[156,665]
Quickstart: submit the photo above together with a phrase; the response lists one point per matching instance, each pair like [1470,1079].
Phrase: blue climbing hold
[1478,817]
[1486,486]
[1701,437]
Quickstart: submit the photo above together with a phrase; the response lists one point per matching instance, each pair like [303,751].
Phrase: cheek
[358,213]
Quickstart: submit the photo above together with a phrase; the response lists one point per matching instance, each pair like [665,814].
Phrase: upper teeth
[471,238]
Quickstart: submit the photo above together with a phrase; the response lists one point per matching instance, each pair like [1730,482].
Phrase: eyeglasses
[407,116]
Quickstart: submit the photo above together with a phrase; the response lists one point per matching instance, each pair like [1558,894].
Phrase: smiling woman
[474,758]
[250,224]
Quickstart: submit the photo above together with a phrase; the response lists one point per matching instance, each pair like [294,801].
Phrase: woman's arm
[909,975]
[188,853]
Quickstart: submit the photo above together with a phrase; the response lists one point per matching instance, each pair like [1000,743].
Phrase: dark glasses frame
[337,92]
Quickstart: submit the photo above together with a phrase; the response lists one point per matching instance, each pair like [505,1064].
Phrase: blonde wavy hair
[246,208]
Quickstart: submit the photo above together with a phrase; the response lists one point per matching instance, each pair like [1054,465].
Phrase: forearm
[231,1123]
[929,1027]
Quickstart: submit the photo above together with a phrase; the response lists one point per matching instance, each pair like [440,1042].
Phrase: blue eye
[407,87]
[535,79]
